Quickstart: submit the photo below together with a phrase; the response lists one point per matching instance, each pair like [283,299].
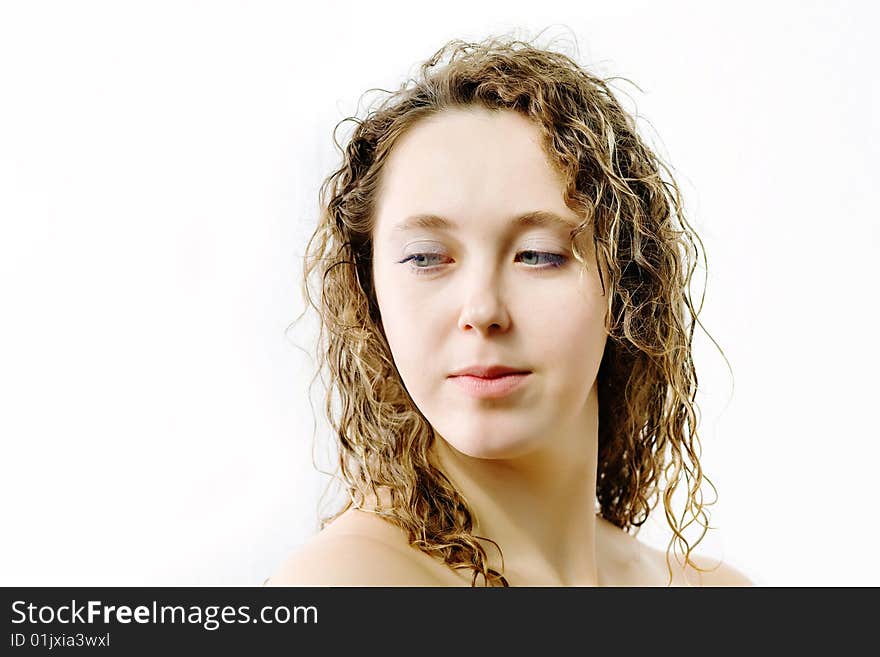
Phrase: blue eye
[420,257]
[556,260]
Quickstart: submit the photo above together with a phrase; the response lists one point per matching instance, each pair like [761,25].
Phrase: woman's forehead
[464,163]
[463,143]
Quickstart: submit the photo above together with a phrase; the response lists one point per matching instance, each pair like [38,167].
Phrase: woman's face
[486,289]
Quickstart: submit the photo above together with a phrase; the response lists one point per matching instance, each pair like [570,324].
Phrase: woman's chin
[493,448]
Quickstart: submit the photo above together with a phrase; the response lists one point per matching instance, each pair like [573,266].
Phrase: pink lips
[490,388]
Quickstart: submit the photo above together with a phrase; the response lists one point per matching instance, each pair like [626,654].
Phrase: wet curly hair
[633,225]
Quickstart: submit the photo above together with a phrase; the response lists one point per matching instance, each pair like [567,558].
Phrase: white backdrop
[159,170]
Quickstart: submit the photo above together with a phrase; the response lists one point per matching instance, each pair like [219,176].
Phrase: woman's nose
[483,310]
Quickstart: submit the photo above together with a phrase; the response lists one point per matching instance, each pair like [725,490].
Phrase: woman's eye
[555,259]
[418,261]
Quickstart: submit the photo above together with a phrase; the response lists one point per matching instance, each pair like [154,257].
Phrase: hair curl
[640,239]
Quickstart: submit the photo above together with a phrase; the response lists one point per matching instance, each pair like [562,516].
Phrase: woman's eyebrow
[528,219]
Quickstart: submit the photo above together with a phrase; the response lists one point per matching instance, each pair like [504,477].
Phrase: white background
[159,169]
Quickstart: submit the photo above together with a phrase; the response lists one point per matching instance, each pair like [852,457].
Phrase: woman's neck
[540,508]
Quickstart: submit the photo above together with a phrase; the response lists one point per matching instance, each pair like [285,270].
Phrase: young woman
[507,327]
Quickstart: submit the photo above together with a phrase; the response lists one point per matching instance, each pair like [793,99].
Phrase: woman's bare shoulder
[355,550]
[719,573]
[630,562]
[709,571]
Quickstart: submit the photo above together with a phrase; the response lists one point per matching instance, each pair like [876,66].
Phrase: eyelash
[560,260]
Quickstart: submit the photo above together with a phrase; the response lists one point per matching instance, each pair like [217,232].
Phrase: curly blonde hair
[640,239]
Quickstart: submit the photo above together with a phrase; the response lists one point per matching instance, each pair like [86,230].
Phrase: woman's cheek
[576,339]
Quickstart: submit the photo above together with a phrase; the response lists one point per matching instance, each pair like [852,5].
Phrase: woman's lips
[493,388]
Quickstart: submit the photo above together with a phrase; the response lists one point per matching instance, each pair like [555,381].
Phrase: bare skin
[361,549]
